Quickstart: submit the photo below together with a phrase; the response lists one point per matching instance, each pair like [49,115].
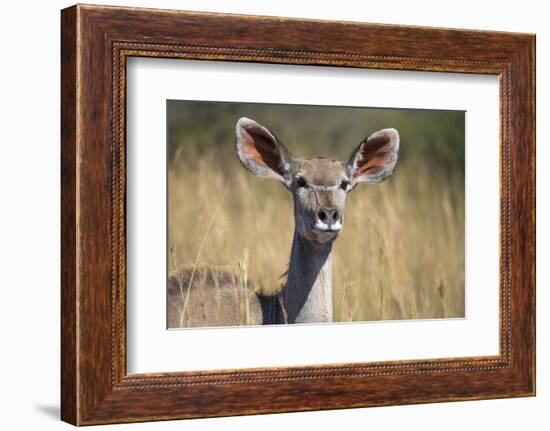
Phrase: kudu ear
[260,152]
[374,159]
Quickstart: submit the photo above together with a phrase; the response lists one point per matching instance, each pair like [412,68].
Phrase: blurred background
[401,252]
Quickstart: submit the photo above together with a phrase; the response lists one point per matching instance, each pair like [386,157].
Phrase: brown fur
[212,296]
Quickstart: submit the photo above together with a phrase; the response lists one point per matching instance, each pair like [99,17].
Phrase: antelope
[319,188]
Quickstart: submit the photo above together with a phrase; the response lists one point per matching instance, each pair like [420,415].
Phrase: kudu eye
[300,182]
[344,185]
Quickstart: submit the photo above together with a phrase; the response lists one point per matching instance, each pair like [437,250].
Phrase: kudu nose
[328,215]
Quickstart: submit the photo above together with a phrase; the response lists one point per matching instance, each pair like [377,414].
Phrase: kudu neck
[307,295]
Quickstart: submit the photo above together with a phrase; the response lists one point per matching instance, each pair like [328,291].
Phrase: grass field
[401,253]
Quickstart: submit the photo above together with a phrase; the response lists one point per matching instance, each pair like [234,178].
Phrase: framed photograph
[264,214]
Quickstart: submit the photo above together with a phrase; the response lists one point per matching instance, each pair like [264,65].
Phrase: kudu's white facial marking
[318,185]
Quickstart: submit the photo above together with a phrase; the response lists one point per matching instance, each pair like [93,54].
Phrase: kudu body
[319,187]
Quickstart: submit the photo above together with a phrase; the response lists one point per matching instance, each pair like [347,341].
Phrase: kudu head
[318,185]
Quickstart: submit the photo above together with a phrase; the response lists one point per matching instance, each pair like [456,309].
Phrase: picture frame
[96,42]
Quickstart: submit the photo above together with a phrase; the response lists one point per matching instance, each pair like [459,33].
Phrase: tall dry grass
[400,255]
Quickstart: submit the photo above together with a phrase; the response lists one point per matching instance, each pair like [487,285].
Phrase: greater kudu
[319,187]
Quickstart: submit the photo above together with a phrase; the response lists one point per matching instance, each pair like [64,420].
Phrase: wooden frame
[95,42]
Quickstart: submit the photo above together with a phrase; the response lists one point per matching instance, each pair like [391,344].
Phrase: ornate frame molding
[96,41]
